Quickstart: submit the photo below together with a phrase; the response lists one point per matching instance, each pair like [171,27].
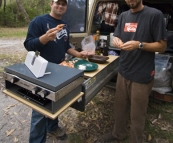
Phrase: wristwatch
[141,45]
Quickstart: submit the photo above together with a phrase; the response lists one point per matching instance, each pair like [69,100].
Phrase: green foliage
[31,12]
[12,16]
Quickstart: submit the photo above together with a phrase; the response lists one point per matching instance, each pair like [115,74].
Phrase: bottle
[102,43]
[97,51]
[105,50]
[97,43]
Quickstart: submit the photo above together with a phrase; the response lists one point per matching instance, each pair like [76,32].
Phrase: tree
[23,11]
[0,3]
[4,11]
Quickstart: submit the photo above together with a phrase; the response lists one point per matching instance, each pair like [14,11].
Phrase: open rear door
[80,16]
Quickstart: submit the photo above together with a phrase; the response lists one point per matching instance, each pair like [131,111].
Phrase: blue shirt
[52,51]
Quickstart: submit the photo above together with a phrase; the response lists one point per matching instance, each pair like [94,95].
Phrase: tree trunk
[5,22]
[22,9]
[0,3]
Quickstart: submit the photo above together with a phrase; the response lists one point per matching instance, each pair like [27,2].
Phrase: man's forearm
[155,46]
[43,39]
[75,53]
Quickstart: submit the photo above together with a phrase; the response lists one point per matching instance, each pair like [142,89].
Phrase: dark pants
[39,127]
[130,99]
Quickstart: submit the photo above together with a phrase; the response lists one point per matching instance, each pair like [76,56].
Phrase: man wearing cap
[52,43]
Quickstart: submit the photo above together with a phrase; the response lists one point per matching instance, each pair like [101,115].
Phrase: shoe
[107,138]
[58,133]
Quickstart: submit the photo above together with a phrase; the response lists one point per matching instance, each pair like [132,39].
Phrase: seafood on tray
[60,26]
[68,64]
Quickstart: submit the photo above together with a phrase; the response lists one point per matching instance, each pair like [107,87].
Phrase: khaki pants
[130,97]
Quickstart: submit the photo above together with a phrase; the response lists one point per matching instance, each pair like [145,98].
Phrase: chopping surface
[101,66]
[59,77]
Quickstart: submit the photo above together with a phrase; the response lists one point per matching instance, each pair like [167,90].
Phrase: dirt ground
[12,46]
[15,117]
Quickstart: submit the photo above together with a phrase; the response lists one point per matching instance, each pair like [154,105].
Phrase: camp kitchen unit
[63,87]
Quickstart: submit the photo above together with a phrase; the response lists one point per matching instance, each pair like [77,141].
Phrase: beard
[134,5]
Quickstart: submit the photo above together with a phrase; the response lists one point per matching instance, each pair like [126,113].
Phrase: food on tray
[60,26]
[98,59]
[82,67]
[74,61]
[85,65]
[68,64]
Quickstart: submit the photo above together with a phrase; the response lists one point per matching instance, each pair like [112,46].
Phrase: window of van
[75,16]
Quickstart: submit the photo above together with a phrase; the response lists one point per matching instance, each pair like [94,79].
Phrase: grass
[162,113]
[13,32]
[5,33]
[6,60]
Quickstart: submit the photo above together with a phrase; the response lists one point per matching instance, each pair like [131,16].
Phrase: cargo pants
[131,100]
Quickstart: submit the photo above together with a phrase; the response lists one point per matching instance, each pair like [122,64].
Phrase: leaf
[92,102]
[6,112]
[88,140]
[10,132]
[149,137]
[164,128]
[97,126]
[15,113]
[160,116]
[155,120]
[9,106]
[16,140]
[168,111]
[23,121]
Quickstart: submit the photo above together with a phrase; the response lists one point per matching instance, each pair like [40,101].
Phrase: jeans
[39,127]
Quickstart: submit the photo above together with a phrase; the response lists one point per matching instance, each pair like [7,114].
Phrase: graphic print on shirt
[130,27]
[61,34]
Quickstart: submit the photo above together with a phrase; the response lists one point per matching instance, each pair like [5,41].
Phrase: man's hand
[84,54]
[50,35]
[117,42]
[130,45]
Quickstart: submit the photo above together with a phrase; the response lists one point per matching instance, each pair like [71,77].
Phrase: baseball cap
[66,1]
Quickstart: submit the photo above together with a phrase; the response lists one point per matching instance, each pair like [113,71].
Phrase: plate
[85,65]
[98,59]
